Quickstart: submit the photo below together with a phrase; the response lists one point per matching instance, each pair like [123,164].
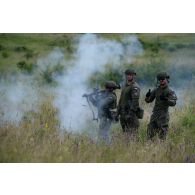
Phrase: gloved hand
[148,94]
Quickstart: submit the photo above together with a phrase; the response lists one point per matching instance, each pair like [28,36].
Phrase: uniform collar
[165,87]
[129,83]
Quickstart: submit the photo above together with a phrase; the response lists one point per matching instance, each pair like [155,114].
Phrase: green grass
[36,45]
[37,138]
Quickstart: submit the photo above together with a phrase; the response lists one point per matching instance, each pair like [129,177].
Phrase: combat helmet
[162,75]
[111,85]
[130,71]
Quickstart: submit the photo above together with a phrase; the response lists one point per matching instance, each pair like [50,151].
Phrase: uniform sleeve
[172,98]
[119,104]
[135,98]
[93,100]
[107,104]
[152,96]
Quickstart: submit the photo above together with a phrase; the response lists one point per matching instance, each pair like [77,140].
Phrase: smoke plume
[92,55]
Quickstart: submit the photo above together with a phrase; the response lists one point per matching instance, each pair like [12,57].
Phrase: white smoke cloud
[17,97]
[92,55]
[54,58]
[132,47]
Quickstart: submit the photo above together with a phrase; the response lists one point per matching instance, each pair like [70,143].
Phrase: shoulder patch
[172,93]
[136,92]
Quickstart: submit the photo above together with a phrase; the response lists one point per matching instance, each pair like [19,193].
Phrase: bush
[5,54]
[29,54]
[152,46]
[110,74]
[64,42]
[1,47]
[25,67]
[47,76]
[20,49]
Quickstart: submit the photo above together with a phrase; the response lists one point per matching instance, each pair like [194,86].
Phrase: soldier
[105,101]
[165,97]
[128,107]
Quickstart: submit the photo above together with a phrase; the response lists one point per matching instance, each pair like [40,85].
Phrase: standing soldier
[128,107]
[165,97]
[105,101]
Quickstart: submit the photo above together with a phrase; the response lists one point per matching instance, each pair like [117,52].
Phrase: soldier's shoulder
[111,97]
[171,92]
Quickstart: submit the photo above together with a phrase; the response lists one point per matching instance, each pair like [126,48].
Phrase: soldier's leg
[152,127]
[163,132]
[133,124]
[163,125]
[104,128]
[151,130]
[123,123]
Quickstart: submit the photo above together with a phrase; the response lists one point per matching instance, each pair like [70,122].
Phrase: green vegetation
[15,48]
[161,51]
[38,138]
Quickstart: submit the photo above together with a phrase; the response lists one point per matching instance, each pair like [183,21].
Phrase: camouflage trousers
[129,123]
[158,124]
[104,127]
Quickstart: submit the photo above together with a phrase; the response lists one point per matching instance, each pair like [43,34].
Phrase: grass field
[38,138]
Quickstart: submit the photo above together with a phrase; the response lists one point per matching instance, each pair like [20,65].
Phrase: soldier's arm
[172,98]
[93,100]
[135,98]
[151,97]
[107,104]
[119,105]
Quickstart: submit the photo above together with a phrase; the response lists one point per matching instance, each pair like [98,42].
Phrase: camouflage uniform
[105,101]
[159,120]
[128,106]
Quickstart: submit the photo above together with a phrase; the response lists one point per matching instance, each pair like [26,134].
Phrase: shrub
[25,67]
[64,42]
[1,47]
[20,49]
[5,54]
[29,54]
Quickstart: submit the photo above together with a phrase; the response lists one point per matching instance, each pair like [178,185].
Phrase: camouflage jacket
[104,101]
[129,99]
[165,97]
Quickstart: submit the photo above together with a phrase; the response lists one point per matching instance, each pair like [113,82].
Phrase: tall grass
[38,139]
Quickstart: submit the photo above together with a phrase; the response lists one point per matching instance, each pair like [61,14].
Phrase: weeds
[25,67]
[41,140]
[38,138]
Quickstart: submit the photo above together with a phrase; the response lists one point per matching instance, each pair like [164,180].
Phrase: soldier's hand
[148,94]
[162,97]
[118,86]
